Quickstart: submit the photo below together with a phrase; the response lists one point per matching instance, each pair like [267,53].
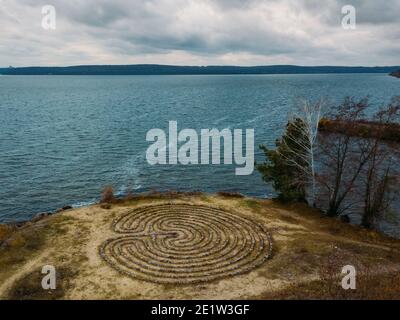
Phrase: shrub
[227,194]
[108,195]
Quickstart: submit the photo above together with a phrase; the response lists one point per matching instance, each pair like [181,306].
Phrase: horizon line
[203,66]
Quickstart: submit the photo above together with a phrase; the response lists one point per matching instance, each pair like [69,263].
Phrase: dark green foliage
[285,166]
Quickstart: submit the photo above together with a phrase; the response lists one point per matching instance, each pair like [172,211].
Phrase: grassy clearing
[29,286]
[19,245]
[251,204]
[382,284]
[22,245]
[304,242]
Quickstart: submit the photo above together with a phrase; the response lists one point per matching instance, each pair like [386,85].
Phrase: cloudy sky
[199,32]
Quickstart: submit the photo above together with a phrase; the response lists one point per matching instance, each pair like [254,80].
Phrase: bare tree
[381,169]
[343,156]
[306,122]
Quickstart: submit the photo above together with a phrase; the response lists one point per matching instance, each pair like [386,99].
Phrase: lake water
[63,138]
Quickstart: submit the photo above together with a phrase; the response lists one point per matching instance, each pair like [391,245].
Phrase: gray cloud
[246,32]
[368,11]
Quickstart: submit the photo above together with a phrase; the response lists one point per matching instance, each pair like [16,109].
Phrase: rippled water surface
[63,138]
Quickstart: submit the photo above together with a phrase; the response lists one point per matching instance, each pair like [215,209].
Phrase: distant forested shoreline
[153,69]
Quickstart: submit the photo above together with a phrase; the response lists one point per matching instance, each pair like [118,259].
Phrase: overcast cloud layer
[200,32]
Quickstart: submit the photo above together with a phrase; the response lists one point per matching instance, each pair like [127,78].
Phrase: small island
[363,129]
[395,74]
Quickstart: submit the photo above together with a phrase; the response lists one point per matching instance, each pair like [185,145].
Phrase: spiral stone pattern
[181,243]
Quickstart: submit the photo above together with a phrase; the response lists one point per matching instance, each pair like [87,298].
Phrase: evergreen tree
[287,165]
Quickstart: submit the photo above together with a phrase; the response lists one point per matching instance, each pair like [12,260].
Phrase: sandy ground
[70,241]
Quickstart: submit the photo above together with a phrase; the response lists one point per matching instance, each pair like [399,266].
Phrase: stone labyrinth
[179,243]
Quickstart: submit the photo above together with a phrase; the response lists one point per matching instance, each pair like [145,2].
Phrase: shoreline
[304,242]
[165,195]
[159,69]
[124,197]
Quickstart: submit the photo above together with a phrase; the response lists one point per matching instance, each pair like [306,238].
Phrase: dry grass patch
[29,286]
[372,283]
[303,241]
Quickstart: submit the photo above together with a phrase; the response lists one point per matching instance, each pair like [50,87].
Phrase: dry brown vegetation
[363,129]
[371,284]
[301,267]
[107,195]
[395,74]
